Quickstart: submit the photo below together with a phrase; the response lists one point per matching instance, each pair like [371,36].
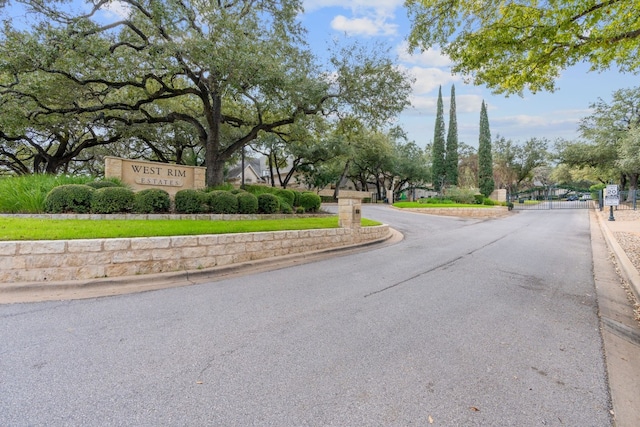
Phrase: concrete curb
[81,289]
[627,269]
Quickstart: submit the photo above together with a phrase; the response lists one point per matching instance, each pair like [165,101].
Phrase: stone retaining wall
[47,260]
[491,212]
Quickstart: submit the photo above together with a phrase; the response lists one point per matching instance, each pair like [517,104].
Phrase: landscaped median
[62,259]
[454,209]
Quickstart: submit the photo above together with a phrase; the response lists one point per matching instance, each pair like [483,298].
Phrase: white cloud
[429,58]
[116,9]
[382,6]
[367,17]
[363,26]
[428,79]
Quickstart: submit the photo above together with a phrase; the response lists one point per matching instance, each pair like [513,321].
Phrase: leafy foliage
[485,159]
[152,200]
[27,193]
[451,152]
[247,203]
[110,200]
[310,201]
[70,198]
[190,201]
[268,203]
[222,202]
[438,167]
[176,81]
[551,36]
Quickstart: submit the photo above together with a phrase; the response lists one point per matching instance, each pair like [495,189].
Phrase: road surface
[463,323]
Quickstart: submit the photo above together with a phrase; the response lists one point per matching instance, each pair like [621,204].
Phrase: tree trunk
[336,192]
[214,164]
[633,186]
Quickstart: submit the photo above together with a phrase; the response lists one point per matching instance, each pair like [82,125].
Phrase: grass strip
[69,229]
[404,205]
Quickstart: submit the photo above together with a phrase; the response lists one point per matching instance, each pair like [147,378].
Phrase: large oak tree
[228,69]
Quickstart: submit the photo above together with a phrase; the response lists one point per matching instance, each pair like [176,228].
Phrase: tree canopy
[222,72]
[515,45]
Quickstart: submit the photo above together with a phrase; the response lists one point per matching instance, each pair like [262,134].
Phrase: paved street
[463,323]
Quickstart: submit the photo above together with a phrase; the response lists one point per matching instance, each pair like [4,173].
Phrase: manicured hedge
[71,198]
[310,201]
[247,203]
[268,203]
[152,200]
[110,200]
[222,202]
[191,201]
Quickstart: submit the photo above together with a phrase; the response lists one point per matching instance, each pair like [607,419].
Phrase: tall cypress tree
[451,157]
[485,159]
[438,172]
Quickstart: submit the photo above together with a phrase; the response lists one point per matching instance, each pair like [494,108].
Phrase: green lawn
[437,205]
[66,229]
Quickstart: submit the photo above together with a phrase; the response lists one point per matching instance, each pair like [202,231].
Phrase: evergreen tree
[485,160]
[451,157]
[438,172]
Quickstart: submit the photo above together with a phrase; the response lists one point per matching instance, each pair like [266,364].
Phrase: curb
[627,269]
[94,288]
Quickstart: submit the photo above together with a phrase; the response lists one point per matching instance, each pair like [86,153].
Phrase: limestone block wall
[43,261]
[491,212]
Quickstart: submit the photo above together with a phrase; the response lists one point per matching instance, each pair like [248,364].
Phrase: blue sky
[543,115]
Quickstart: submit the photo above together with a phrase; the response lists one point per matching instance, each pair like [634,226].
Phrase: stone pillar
[349,212]
[112,167]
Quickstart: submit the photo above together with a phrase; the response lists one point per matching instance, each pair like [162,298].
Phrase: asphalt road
[463,323]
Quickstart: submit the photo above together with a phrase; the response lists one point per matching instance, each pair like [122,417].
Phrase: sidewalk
[616,260]
[623,238]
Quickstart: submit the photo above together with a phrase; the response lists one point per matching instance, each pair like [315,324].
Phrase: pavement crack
[443,265]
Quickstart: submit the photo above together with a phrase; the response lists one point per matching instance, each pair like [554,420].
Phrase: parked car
[572,198]
[585,197]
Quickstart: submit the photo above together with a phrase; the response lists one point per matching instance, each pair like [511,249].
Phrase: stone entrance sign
[140,175]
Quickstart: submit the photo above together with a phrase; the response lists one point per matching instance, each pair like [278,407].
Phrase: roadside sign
[611,196]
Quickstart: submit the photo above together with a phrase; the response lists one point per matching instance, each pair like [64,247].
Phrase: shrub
[268,203]
[222,187]
[479,198]
[285,207]
[247,203]
[299,210]
[27,193]
[151,200]
[74,198]
[190,201]
[310,201]
[102,184]
[296,198]
[488,202]
[109,200]
[258,189]
[462,195]
[222,202]
[287,195]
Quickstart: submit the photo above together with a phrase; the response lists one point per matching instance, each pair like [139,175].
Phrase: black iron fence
[628,200]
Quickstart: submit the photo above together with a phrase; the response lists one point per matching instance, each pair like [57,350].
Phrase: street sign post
[611,199]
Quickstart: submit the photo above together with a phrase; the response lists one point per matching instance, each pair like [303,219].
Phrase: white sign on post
[611,196]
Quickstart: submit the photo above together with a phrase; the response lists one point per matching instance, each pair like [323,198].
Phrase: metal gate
[546,204]
[586,201]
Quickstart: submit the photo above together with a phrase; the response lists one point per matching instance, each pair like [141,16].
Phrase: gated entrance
[627,201]
[546,204]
